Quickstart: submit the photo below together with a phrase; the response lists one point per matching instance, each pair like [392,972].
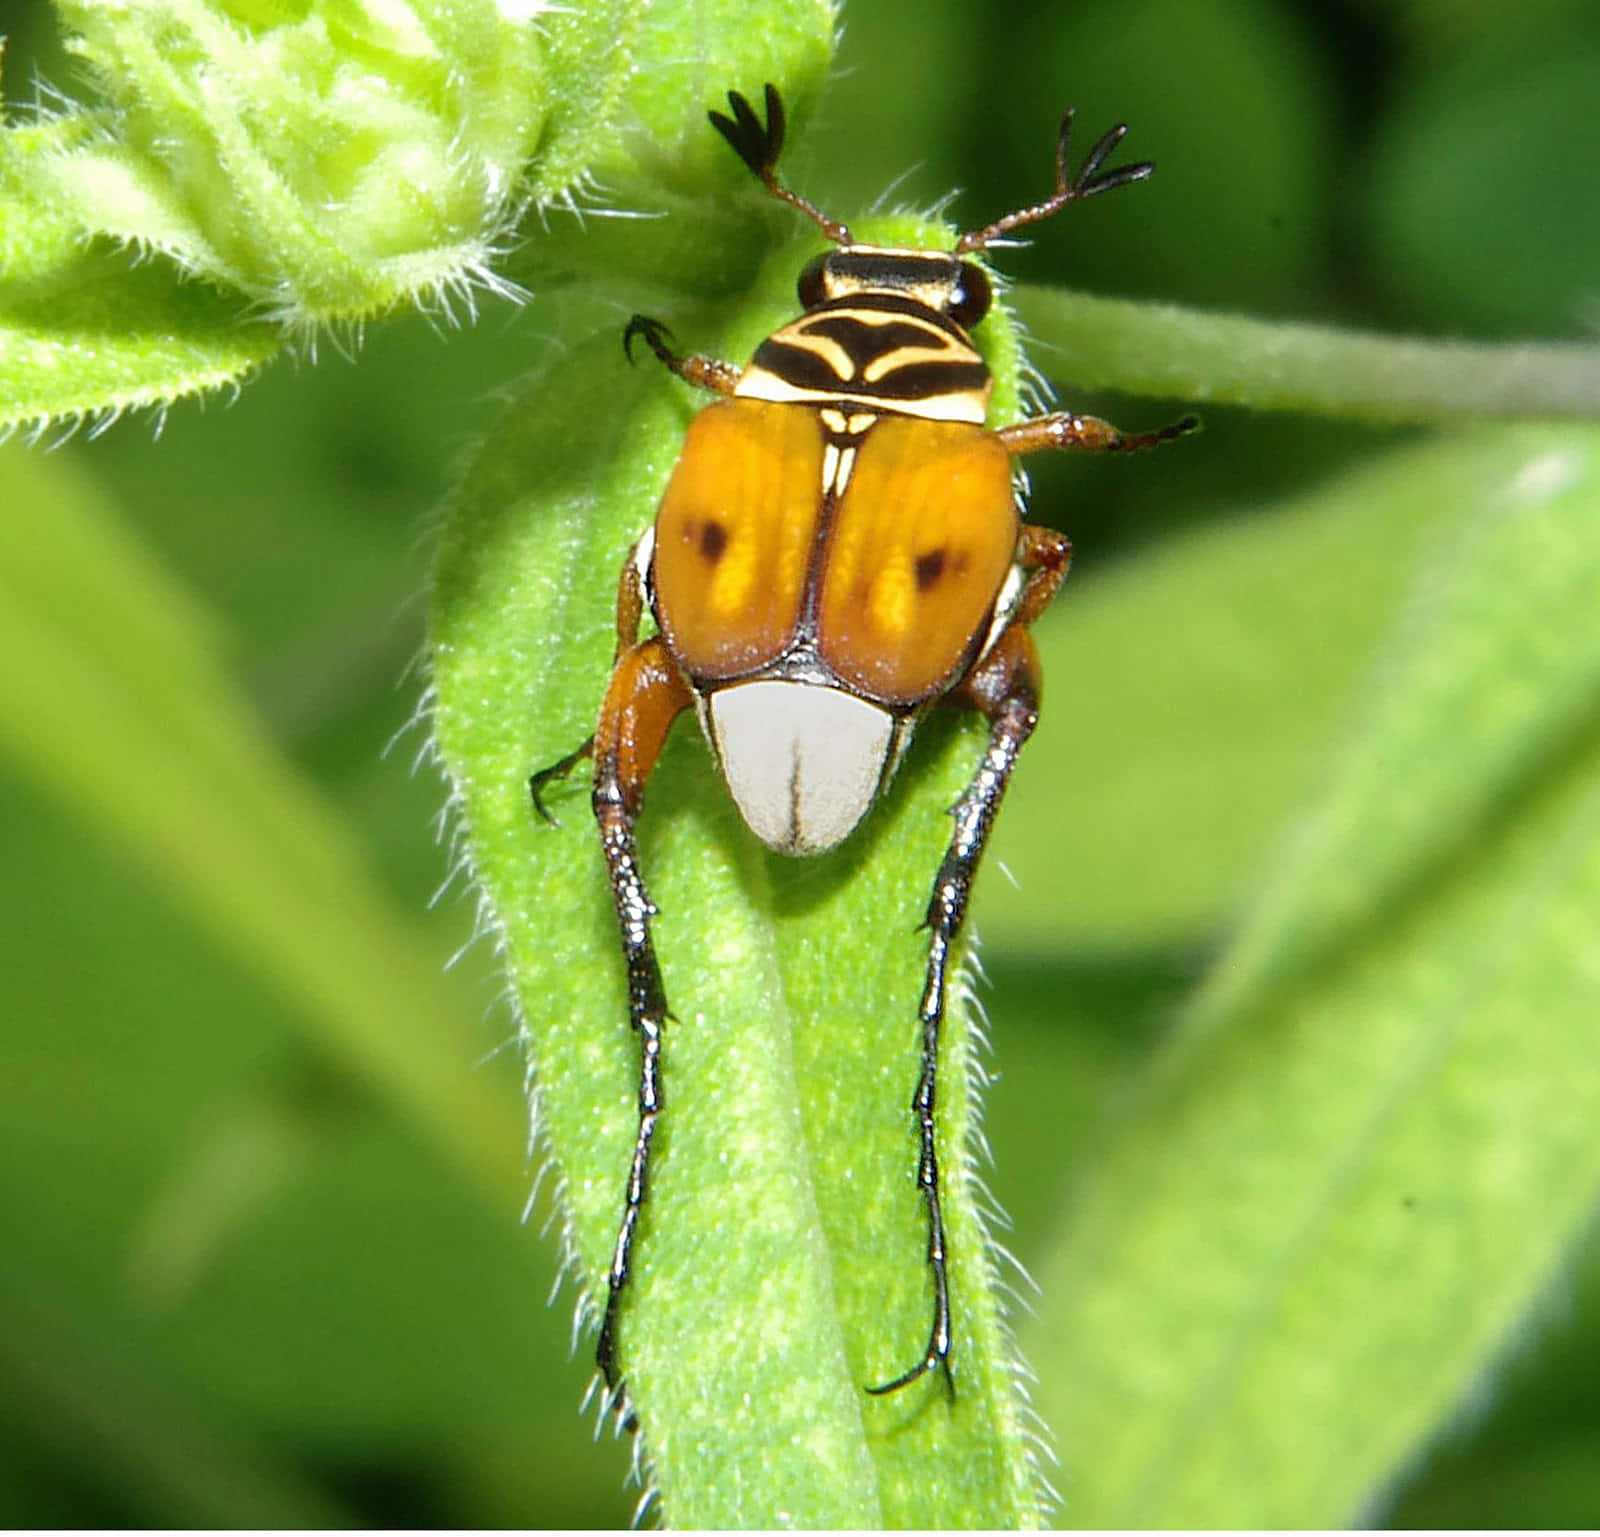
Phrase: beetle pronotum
[838,549]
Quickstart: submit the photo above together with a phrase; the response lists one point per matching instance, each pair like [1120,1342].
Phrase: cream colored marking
[930,299]
[931,295]
[833,420]
[803,762]
[762,384]
[837,463]
[1005,607]
[830,466]
[908,357]
[954,406]
[824,347]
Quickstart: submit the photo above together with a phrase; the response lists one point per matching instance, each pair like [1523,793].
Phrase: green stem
[1285,366]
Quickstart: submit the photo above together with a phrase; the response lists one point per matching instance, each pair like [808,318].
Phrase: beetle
[839,548]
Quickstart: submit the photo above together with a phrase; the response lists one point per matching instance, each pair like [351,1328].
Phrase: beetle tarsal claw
[655,333]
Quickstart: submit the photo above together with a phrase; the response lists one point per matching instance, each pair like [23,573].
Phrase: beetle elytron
[838,548]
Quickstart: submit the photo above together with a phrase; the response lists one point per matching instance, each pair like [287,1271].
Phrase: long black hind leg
[645,695]
[1005,687]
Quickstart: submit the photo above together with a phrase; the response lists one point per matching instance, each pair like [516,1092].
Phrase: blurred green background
[237,1285]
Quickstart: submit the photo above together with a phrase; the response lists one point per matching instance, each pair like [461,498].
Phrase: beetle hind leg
[1005,687]
[944,921]
[646,694]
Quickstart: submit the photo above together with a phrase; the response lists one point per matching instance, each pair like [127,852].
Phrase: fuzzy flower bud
[328,157]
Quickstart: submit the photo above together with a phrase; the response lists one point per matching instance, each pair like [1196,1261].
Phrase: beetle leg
[645,695]
[630,600]
[692,367]
[1045,555]
[1064,430]
[1005,687]
[630,609]
[557,770]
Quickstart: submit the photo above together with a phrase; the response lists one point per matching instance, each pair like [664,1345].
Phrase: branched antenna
[1089,181]
[760,145]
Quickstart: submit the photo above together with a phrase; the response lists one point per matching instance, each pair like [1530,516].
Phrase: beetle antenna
[1089,181]
[759,146]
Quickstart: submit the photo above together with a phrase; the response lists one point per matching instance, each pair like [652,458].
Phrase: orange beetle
[839,548]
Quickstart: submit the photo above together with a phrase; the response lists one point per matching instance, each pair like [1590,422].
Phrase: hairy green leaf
[1372,1142]
[99,338]
[662,204]
[85,334]
[37,235]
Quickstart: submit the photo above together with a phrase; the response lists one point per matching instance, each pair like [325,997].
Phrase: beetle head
[935,279]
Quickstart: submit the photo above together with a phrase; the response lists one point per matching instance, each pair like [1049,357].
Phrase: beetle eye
[809,286]
[969,300]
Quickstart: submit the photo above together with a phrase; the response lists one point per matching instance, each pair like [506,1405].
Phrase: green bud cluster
[330,158]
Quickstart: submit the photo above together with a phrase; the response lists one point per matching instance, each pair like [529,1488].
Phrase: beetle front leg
[1090,433]
[1005,687]
[646,694]
[706,373]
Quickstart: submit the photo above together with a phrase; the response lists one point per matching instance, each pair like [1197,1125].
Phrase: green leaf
[84,334]
[37,235]
[781,1268]
[117,1429]
[1525,128]
[334,161]
[99,338]
[1371,1143]
[112,703]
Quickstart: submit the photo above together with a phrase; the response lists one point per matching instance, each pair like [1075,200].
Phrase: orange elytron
[839,548]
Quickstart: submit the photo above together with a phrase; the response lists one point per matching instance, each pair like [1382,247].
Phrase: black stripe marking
[898,304]
[802,369]
[921,381]
[796,366]
[865,339]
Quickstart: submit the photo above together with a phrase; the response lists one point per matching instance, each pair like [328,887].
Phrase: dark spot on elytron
[930,568]
[713,540]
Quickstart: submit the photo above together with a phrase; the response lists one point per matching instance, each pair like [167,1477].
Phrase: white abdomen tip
[803,762]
